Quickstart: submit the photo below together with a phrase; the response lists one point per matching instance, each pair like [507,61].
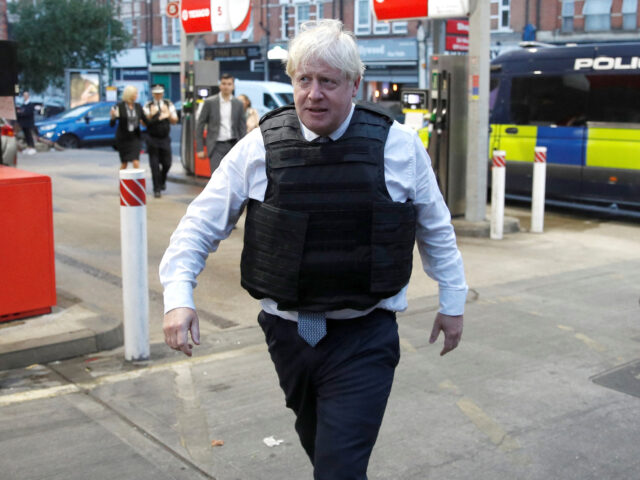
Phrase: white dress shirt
[224,133]
[242,175]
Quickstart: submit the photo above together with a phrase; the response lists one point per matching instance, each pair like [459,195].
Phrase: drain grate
[625,378]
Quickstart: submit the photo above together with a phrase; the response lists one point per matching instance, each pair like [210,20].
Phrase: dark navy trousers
[339,389]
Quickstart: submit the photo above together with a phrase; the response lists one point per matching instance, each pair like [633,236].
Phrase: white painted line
[60,390]
[37,394]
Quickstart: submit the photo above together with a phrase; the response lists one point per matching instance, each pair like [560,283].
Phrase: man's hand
[452,328]
[176,326]
[201,154]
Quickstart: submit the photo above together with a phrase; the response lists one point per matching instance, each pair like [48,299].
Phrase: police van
[581,102]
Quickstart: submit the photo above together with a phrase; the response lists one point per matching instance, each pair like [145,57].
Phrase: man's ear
[356,84]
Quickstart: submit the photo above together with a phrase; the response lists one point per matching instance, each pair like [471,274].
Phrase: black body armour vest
[159,129]
[327,236]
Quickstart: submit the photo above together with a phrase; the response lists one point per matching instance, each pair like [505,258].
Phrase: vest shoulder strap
[375,109]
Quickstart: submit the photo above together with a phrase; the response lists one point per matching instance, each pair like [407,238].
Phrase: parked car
[265,96]
[84,125]
[45,107]
[50,109]
[8,143]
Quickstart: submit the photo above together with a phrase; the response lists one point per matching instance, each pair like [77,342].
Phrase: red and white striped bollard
[538,189]
[498,174]
[135,286]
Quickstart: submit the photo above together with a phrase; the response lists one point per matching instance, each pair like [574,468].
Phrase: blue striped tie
[312,327]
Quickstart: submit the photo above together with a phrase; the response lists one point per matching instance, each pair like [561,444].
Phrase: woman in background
[250,114]
[130,116]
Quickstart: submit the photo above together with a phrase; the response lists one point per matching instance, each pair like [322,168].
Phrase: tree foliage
[56,34]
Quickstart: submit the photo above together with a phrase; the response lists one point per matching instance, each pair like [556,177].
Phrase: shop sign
[389,50]
[456,43]
[458,27]
[134,74]
[170,55]
[232,53]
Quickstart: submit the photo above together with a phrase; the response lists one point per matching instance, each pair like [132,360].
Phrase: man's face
[25,96]
[157,96]
[226,86]
[322,96]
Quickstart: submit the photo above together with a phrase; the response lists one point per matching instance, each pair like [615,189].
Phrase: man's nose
[315,92]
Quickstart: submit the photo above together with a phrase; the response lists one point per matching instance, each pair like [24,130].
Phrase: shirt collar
[335,135]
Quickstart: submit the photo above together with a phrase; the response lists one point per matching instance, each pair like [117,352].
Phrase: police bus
[581,102]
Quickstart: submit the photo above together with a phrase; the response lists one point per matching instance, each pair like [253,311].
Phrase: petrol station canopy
[214,16]
[391,10]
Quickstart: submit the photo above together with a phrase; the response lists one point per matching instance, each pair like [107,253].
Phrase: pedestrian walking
[26,119]
[160,114]
[223,117]
[129,115]
[336,195]
[251,116]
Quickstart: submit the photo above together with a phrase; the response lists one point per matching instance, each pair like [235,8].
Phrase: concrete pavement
[544,385]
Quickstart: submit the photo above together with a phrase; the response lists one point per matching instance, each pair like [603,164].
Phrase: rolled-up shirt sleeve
[210,219]
[436,238]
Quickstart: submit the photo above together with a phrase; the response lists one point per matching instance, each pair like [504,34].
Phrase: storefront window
[381,28]
[362,18]
[175,31]
[629,14]
[284,22]
[597,15]
[567,15]
[302,15]
[400,27]
[501,20]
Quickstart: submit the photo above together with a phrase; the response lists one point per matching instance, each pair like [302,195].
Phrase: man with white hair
[337,194]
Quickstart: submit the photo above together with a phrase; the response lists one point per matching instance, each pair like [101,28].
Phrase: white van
[264,96]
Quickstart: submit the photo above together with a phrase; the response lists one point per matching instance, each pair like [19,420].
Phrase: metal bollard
[498,173]
[135,288]
[538,189]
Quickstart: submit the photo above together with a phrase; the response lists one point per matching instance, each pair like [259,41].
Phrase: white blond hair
[129,93]
[325,40]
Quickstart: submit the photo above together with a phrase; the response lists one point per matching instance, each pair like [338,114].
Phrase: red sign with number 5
[173,9]
[203,16]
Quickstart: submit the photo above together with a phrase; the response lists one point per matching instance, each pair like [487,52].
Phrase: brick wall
[4,33]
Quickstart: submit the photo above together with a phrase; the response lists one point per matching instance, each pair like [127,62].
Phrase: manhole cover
[625,379]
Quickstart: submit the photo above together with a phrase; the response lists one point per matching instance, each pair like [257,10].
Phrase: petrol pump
[415,103]
[448,128]
[201,82]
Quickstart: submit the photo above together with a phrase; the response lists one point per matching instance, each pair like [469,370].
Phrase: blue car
[84,125]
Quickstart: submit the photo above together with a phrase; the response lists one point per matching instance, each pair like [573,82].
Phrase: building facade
[389,50]
[392,52]
[562,22]
[4,22]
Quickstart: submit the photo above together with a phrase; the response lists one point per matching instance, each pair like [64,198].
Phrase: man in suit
[336,197]
[223,116]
